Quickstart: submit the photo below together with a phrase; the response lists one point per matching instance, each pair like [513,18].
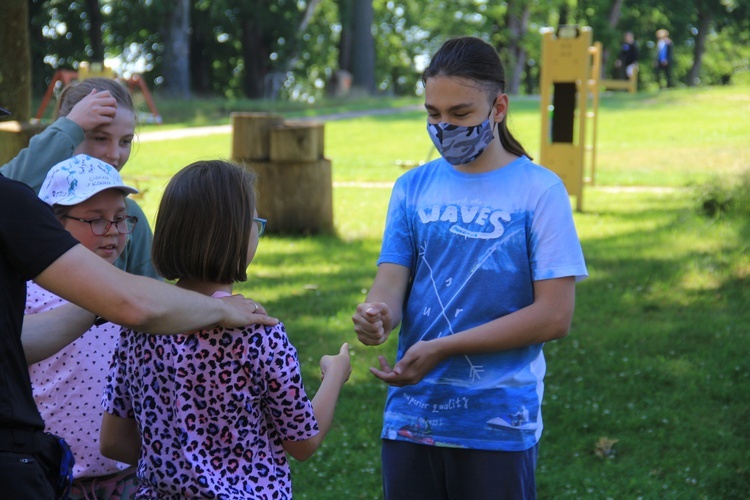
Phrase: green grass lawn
[648,395]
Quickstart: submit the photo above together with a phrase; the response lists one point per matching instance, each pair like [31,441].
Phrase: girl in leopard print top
[213,413]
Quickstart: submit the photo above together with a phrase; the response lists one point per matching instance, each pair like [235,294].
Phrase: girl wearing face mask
[479,262]
[96,117]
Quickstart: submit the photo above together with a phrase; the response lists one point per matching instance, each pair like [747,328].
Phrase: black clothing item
[31,239]
[34,465]
[628,54]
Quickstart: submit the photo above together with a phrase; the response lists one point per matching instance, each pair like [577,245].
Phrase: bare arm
[119,439]
[336,371]
[547,318]
[381,313]
[142,304]
[45,333]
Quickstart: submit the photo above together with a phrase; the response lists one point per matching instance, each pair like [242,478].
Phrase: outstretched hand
[96,109]
[417,362]
[338,365]
[373,322]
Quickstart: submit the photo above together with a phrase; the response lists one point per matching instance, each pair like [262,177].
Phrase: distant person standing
[627,62]
[664,57]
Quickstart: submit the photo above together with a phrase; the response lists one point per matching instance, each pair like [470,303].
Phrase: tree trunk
[363,46]
[517,26]
[614,17]
[614,13]
[345,38]
[255,54]
[95,30]
[176,61]
[15,71]
[41,73]
[200,62]
[704,21]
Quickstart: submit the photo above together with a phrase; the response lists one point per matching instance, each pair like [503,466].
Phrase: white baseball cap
[77,179]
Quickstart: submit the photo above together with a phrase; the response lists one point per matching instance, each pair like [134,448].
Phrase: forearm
[142,304]
[525,327]
[547,318]
[46,333]
[375,319]
[119,439]
[324,407]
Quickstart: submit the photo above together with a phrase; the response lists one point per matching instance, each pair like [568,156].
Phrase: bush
[721,196]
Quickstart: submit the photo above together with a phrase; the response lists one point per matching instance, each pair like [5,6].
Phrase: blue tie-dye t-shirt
[475,243]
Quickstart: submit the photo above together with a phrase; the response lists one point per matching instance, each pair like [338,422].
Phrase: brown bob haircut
[204,223]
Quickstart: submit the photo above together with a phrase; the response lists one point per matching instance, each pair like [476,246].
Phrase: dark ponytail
[474,59]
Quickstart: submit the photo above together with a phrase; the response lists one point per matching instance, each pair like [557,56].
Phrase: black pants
[418,472]
[29,464]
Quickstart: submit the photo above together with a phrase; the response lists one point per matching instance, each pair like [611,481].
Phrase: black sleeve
[31,238]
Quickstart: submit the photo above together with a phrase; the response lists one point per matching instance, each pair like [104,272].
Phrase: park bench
[631,84]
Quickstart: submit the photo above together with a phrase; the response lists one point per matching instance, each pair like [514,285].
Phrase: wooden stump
[295,197]
[295,182]
[296,141]
[250,139]
[14,136]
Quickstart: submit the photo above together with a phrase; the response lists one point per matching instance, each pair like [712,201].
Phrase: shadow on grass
[656,359]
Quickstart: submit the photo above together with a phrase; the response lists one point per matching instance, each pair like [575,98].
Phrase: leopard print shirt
[213,408]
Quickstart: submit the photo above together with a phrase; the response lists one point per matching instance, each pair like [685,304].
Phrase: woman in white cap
[88,198]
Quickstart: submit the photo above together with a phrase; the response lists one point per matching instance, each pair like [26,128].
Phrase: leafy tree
[291,48]
[400,43]
[60,34]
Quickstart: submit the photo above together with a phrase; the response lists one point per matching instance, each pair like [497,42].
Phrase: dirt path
[165,135]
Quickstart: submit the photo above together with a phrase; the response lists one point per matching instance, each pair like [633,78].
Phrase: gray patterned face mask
[459,144]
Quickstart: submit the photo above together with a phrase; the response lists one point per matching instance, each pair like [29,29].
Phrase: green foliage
[723,196]
[238,47]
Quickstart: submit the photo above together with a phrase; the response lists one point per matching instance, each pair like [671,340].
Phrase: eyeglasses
[99,227]
[261,223]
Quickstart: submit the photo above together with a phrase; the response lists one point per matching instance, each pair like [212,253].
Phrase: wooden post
[296,141]
[295,181]
[14,136]
[295,197]
[250,135]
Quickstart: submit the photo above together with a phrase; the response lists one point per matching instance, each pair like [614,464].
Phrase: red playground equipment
[92,70]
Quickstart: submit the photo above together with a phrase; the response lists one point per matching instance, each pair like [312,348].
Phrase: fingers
[344,349]
[369,323]
[339,365]
[385,369]
[263,319]
[384,364]
[97,108]
[256,307]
